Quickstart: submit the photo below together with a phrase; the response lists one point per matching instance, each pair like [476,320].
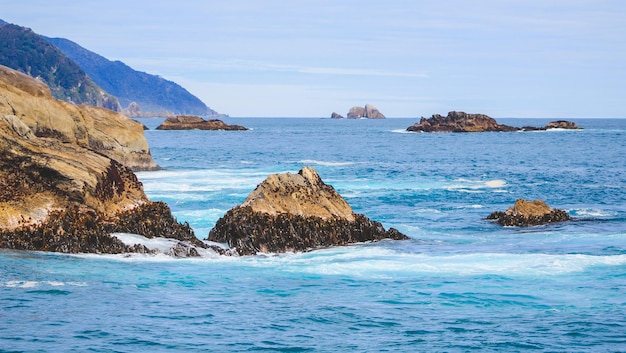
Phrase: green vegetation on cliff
[155,95]
[26,51]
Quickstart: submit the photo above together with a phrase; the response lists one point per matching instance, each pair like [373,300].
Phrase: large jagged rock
[528,213]
[98,129]
[459,122]
[464,122]
[336,115]
[295,212]
[369,112]
[190,122]
[58,192]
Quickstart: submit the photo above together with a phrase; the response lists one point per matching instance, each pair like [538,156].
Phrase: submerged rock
[529,213]
[295,212]
[188,122]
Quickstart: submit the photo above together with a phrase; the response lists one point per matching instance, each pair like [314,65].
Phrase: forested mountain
[154,95]
[26,51]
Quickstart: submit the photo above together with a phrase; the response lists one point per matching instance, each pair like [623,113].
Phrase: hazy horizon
[509,59]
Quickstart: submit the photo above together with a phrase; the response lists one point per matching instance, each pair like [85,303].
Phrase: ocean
[461,284]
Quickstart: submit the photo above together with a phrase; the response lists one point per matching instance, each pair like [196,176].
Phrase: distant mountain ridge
[154,95]
[26,51]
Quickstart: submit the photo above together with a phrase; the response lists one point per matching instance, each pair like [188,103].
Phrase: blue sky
[508,58]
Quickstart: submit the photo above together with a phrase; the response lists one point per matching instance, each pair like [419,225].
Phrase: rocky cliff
[63,184]
[295,212]
[98,129]
[528,213]
[190,122]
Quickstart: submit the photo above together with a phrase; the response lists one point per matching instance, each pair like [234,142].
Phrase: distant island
[367,112]
[464,122]
[189,122]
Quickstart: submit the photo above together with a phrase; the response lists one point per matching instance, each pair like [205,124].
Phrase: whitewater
[460,284]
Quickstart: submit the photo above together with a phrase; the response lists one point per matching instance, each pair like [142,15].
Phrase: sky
[409,58]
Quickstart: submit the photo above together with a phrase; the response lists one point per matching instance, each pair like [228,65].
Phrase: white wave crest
[325,163]
[591,212]
[36,284]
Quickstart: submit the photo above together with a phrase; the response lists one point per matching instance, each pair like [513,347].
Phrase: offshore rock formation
[60,189]
[369,112]
[459,122]
[464,122]
[559,124]
[529,213]
[336,115]
[295,212]
[98,129]
[189,122]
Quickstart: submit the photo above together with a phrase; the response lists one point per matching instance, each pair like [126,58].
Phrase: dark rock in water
[295,212]
[335,115]
[562,124]
[529,213]
[188,122]
[459,122]
[463,122]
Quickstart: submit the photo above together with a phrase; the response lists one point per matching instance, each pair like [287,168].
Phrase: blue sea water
[460,284]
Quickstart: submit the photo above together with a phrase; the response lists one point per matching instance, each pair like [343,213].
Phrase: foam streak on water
[461,283]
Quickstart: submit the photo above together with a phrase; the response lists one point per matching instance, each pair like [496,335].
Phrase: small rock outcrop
[559,124]
[190,122]
[464,122]
[459,122]
[295,212]
[335,115]
[529,213]
[368,112]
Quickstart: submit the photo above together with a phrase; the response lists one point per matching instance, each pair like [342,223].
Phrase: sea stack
[367,112]
[295,212]
[529,213]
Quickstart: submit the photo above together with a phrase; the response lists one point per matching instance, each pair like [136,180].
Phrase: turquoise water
[460,284]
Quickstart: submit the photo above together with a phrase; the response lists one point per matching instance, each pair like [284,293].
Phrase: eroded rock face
[295,212]
[529,213]
[459,122]
[58,195]
[107,132]
[190,122]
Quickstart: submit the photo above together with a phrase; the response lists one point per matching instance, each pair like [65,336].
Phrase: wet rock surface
[529,213]
[295,212]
